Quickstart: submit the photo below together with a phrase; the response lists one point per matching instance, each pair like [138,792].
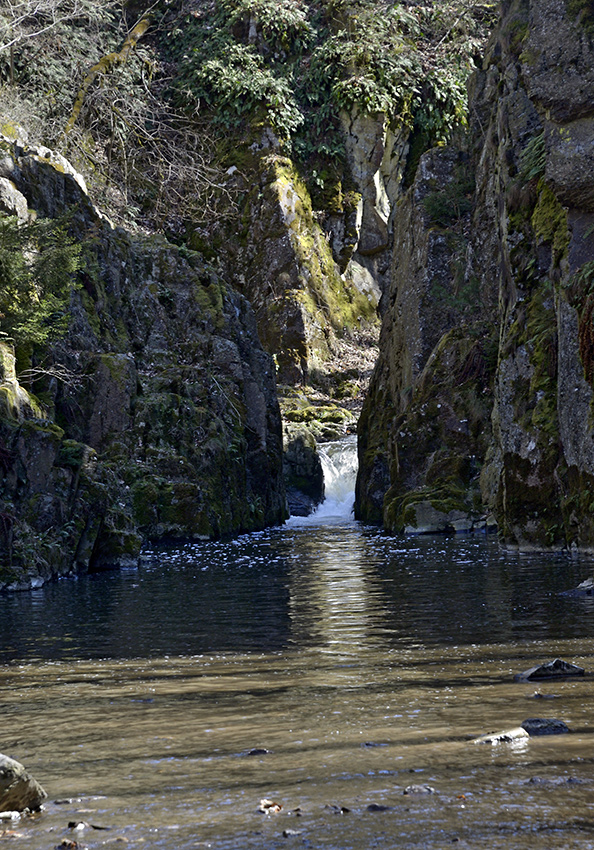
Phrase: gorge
[207,210]
[153,414]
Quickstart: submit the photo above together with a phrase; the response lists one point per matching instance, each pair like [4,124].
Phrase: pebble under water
[323,666]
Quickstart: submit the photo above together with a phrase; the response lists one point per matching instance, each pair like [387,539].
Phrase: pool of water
[361,663]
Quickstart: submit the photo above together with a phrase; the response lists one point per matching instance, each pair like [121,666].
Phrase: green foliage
[284,25]
[298,65]
[533,158]
[238,84]
[146,138]
[446,206]
[37,263]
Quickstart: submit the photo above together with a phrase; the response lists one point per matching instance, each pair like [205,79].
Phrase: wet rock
[556,781]
[557,669]
[302,469]
[586,588]
[507,737]
[18,789]
[419,789]
[537,726]
[258,751]
[378,807]
[268,807]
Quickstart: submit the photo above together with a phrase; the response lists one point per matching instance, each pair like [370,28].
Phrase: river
[362,663]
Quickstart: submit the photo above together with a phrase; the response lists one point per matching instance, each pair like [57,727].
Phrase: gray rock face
[304,476]
[12,201]
[285,267]
[169,421]
[18,789]
[426,417]
[527,256]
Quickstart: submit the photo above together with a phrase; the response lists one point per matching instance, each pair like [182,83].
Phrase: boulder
[18,789]
[557,669]
[537,726]
[509,736]
[303,473]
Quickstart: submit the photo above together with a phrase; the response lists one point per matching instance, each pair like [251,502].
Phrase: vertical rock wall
[481,404]
[166,424]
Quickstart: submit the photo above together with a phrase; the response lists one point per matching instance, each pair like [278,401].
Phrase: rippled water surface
[362,663]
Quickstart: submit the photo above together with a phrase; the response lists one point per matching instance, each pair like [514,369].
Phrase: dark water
[284,590]
[363,663]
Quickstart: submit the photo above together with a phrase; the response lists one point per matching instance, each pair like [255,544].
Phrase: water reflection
[362,663]
[336,598]
[338,585]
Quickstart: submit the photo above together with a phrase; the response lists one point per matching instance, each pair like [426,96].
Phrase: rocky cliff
[481,404]
[155,416]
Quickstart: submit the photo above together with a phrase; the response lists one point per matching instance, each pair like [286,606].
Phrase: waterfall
[340,465]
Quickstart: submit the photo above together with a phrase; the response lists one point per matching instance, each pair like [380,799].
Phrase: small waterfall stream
[340,464]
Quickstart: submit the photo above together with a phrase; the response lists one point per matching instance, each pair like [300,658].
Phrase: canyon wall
[480,410]
[155,416]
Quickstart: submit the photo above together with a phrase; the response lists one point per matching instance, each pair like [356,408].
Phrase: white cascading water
[340,465]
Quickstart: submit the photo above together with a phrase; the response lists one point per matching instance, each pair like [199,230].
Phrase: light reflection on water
[363,663]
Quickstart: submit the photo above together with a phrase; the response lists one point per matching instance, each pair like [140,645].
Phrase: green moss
[342,304]
[549,221]
[321,413]
[582,11]
[72,454]
[118,366]
[517,32]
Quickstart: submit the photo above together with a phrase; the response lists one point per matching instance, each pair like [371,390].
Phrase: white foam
[340,465]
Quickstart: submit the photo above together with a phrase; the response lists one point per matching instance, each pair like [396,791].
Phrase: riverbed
[361,664]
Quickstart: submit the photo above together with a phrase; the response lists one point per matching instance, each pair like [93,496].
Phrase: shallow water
[362,663]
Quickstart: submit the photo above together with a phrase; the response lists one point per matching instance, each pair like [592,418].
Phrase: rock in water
[419,789]
[18,789]
[557,669]
[510,736]
[536,726]
[586,588]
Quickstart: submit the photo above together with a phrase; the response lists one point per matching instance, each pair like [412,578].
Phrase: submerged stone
[557,669]
[537,726]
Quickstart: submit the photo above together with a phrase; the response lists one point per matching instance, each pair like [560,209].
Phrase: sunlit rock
[419,789]
[509,736]
[18,789]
